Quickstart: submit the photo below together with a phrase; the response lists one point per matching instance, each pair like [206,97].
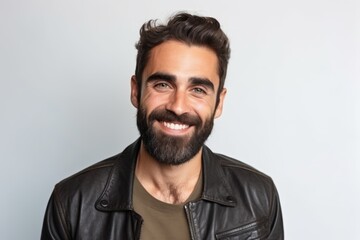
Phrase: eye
[161,86]
[198,90]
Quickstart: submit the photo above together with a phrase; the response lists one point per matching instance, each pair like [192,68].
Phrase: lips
[173,121]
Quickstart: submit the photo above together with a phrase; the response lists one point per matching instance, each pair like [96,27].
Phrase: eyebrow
[172,78]
[161,76]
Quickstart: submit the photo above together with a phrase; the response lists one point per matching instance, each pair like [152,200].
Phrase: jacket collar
[216,187]
[117,194]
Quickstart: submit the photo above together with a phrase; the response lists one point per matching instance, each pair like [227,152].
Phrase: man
[168,184]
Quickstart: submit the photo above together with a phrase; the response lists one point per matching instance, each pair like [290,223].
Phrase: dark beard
[172,150]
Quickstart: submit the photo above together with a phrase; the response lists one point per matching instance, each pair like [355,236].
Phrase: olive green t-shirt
[162,221]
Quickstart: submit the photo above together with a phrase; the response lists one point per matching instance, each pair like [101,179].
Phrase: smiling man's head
[179,85]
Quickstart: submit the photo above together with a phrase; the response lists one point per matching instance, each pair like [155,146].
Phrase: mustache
[164,115]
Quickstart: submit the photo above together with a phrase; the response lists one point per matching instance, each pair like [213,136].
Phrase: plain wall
[292,108]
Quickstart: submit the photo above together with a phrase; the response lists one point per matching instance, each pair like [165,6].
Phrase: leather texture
[238,202]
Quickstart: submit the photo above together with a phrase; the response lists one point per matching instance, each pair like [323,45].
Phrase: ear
[219,108]
[134,92]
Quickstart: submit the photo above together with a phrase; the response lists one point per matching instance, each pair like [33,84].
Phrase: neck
[168,183]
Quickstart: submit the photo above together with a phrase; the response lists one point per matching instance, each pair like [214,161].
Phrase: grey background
[292,109]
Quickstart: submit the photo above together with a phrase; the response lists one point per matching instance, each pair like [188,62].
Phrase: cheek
[204,108]
[151,101]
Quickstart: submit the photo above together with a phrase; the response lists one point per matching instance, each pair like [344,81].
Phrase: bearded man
[168,184]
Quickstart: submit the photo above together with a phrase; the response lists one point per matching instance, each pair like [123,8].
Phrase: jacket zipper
[190,221]
[138,232]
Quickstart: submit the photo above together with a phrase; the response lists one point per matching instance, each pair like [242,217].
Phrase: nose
[178,103]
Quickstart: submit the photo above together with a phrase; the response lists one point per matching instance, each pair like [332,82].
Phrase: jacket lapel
[117,194]
[216,187]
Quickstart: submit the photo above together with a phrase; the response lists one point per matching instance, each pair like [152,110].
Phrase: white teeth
[175,126]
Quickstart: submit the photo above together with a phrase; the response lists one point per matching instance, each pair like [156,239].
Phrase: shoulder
[114,172]
[95,176]
[241,174]
[237,165]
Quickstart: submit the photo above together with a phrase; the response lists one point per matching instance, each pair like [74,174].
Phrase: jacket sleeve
[276,221]
[54,225]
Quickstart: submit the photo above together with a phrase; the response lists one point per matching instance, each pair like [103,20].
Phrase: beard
[167,149]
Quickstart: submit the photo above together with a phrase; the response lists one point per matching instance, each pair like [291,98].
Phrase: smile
[175,126]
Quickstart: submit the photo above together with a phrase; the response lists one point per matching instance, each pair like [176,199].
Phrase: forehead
[183,61]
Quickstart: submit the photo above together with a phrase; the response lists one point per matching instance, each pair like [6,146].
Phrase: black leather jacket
[237,202]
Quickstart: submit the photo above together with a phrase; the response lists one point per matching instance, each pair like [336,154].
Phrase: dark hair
[187,28]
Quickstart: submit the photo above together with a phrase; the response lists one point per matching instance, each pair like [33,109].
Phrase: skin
[183,79]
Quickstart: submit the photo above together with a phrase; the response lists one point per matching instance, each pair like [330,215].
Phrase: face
[177,103]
